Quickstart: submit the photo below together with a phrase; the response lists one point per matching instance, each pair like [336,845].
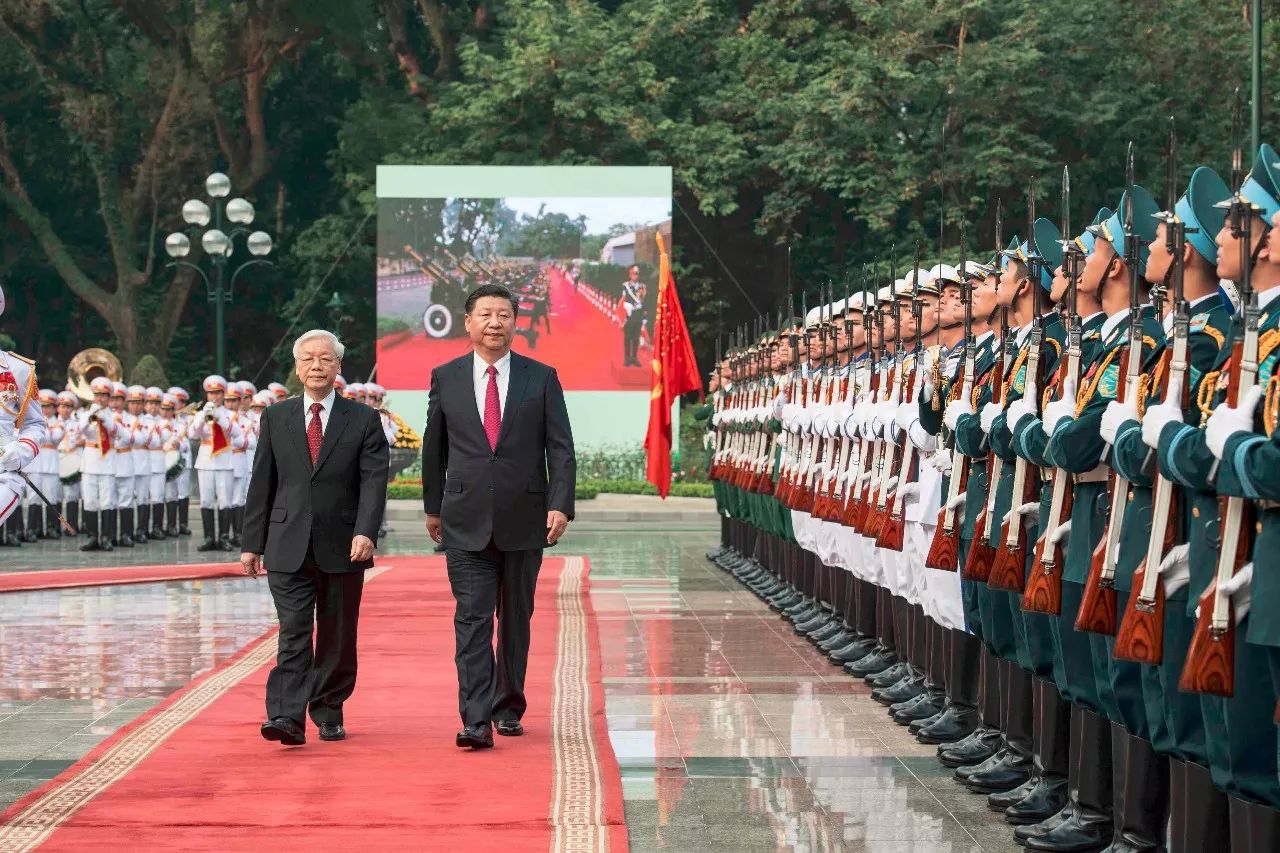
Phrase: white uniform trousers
[239,491]
[70,492]
[216,488]
[124,492]
[171,486]
[142,488]
[183,481]
[99,491]
[50,485]
[11,489]
[155,488]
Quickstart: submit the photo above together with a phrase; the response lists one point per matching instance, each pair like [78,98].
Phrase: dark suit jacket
[503,494]
[292,505]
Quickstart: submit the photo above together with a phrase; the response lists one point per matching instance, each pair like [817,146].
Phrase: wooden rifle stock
[944,550]
[1043,593]
[1210,665]
[1097,613]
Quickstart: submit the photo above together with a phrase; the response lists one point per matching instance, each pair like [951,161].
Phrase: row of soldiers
[119,469]
[1034,503]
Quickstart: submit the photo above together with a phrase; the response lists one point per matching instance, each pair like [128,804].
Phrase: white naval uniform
[97,464]
[126,426]
[182,434]
[69,445]
[214,471]
[240,458]
[159,433]
[22,425]
[44,470]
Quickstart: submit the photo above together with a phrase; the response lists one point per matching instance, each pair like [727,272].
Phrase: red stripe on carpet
[108,575]
[396,783]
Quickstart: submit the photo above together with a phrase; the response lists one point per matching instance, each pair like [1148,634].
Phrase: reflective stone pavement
[732,733]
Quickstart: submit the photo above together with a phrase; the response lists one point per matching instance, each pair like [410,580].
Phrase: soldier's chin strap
[1262,241]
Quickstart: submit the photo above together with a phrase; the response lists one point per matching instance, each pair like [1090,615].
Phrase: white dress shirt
[327,403]
[480,378]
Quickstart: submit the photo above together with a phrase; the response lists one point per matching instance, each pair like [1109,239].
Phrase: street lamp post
[218,244]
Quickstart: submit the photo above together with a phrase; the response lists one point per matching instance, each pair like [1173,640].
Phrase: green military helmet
[1199,210]
[1144,225]
[1088,238]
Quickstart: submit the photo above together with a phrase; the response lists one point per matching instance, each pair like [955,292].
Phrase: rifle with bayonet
[893,529]
[1141,636]
[825,506]
[982,554]
[876,509]
[1043,592]
[944,550]
[879,388]
[1009,570]
[1210,666]
[858,488]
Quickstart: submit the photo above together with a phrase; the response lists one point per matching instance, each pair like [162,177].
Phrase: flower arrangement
[406,436]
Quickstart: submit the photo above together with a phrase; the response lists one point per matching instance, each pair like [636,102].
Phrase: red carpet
[193,774]
[585,347]
[108,575]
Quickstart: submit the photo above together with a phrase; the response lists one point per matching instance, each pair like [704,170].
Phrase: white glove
[850,426]
[10,460]
[906,415]
[957,502]
[955,410]
[94,409]
[1117,414]
[990,412]
[717,419]
[941,462]
[819,420]
[1226,421]
[1240,589]
[909,493]
[1016,411]
[924,369]
[923,441]
[1061,409]
[1161,415]
[1059,533]
[1175,569]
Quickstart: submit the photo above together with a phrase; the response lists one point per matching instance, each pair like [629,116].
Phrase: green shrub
[643,487]
[390,326]
[411,490]
[612,462]
[148,372]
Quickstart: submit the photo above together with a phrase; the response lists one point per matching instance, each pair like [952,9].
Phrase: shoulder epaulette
[29,361]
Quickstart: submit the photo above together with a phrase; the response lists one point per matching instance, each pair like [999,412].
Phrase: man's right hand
[434,529]
[252,564]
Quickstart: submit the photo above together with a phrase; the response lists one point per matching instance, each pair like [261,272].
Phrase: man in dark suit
[498,474]
[311,520]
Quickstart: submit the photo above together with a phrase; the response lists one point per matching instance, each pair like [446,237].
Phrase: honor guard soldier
[134,519]
[236,405]
[183,437]
[121,533]
[279,391]
[22,425]
[98,431]
[69,458]
[151,513]
[41,523]
[340,385]
[213,427]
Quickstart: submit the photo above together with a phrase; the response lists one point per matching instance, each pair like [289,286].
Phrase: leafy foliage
[807,138]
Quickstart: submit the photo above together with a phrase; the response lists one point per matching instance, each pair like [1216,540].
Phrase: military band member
[44,472]
[213,428]
[122,532]
[98,430]
[69,448]
[158,436]
[22,425]
[183,437]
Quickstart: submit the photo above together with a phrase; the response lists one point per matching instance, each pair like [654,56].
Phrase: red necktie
[492,410]
[315,432]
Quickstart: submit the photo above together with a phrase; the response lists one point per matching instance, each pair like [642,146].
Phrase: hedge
[585,491]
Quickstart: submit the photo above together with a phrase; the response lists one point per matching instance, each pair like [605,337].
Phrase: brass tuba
[88,365]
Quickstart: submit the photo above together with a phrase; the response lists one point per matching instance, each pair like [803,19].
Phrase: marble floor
[732,733]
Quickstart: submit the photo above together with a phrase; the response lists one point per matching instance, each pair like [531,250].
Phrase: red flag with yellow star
[674,373]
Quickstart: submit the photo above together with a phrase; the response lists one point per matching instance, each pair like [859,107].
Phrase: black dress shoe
[873,664]
[284,730]
[332,731]
[892,675]
[1042,802]
[917,725]
[1022,834]
[509,728]
[903,690]
[975,749]
[955,723]
[856,650]
[478,736]
[1006,775]
[1001,800]
[963,772]
[921,708]
[1085,830]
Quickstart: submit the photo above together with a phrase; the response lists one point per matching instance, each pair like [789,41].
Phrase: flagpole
[1255,95]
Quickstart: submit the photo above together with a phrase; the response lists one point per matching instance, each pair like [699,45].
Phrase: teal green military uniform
[1174,722]
[1240,731]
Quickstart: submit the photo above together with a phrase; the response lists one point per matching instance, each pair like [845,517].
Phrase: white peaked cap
[854,302]
[814,317]
[945,272]
[973,268]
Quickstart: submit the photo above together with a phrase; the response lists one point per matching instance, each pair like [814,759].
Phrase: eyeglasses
[323,360]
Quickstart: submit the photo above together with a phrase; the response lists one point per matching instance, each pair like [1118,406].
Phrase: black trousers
[318,680]
[488,584]
[631,337]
